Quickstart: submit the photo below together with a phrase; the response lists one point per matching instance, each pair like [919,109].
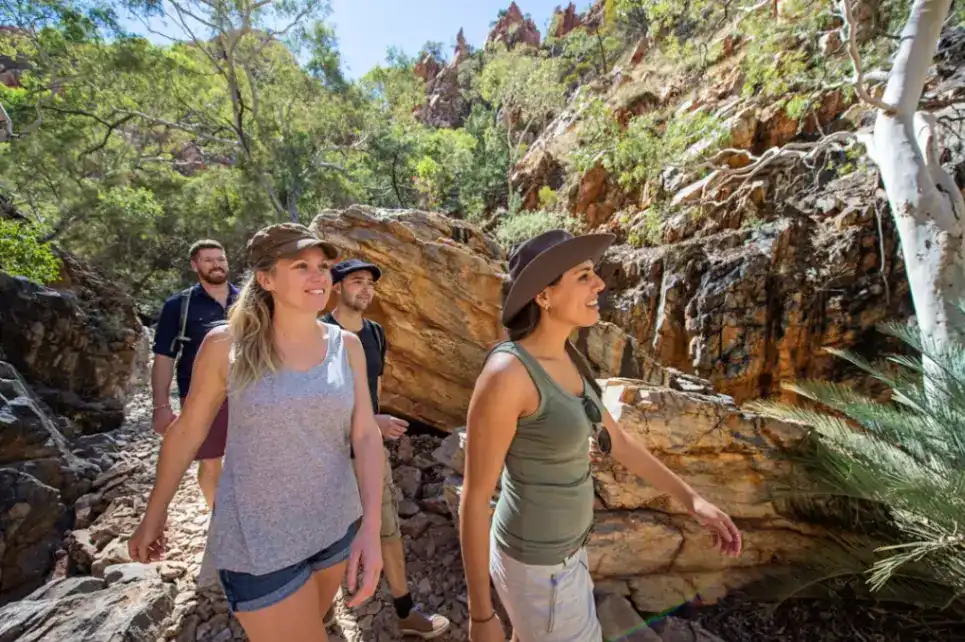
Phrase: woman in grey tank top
[534,411]
[290,516]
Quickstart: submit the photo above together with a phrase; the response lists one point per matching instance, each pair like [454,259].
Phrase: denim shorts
[247,592]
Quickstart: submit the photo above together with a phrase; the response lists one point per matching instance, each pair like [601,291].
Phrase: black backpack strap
[182,322]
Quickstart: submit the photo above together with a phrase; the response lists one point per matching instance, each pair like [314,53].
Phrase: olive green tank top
[545,509]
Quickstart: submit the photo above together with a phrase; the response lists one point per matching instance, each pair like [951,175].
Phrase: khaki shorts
[390,504]
[547,603]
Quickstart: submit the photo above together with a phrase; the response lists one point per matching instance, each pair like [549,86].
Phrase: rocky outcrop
[41,478]
[427,68]
[117,609]
[513,29]
[753,307]
[565,20]
[445,105]
[644,545]
[77,343]
[439,299]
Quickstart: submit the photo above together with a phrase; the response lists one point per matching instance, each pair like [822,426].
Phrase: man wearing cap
[354,288]
[185,319]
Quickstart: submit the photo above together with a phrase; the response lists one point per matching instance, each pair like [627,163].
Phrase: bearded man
[185,319]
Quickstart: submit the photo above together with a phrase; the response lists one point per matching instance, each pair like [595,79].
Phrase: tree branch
[7,123]
[110,130]
[848,27]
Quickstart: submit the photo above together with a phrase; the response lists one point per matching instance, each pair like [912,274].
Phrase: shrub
[525,225]
[23,254]
[905,455]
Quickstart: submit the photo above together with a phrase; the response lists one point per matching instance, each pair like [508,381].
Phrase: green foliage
[906,455]
[520,227]
[22,253]
[547,197]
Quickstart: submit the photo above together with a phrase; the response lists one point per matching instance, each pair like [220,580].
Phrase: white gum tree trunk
[928,207]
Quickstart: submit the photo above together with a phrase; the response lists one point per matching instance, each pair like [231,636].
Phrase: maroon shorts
[214,443]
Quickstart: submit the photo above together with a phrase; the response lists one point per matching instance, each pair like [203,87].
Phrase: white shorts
[547,603]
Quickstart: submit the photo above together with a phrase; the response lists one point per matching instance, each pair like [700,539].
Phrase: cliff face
[739,279]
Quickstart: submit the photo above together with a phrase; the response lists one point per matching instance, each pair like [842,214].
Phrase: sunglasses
[600,432]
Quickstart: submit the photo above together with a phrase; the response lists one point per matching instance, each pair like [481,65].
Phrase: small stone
[171,570]
[408,479]
[425,587]
[408,508]
[416,526]
[436,505]
[404,451]
[115,553]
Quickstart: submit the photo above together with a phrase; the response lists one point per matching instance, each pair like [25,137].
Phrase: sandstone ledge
[644,545]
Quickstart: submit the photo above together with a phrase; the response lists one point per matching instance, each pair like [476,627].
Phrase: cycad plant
[905,455]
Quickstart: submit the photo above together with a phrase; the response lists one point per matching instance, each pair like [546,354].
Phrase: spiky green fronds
[905,454]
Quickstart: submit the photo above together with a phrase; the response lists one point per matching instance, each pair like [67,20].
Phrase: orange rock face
[439,300]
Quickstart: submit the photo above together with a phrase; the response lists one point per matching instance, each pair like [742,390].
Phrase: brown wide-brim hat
[284,240]
[535,264]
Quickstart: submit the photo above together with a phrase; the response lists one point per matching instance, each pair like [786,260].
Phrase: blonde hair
[253,351]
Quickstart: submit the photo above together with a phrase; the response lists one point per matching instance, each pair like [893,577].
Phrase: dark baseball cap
[285,239]
[343,269]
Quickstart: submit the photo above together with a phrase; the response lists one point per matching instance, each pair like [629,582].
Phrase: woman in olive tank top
[534,411]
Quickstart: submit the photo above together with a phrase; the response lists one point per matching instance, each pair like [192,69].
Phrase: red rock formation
[513,29]
[565,20]
[427,68]
[445,106]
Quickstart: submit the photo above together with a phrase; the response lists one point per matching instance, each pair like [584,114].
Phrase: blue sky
[367,28]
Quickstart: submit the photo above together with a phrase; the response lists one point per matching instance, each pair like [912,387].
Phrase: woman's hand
[727,539]
[489,631]
[147,543]
[367,551]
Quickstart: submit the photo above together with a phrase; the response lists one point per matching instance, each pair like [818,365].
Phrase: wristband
[475,621]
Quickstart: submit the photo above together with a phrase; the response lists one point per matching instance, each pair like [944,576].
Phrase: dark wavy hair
[527,320]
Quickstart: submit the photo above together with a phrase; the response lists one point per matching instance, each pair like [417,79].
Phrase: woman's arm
[369,463]
[181,442]
[640,461]
[496,404]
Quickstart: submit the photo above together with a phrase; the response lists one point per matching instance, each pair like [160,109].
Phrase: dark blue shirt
[372,337]
[204,313]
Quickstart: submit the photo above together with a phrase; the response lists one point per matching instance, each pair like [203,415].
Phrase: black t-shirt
[372,337]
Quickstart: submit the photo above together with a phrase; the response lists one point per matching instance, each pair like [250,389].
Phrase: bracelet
[163,405]
[475,621]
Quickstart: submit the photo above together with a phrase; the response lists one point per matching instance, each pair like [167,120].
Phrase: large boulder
[77,343]
[40,478]
[118,609]
[439,299]
[644,545]
[30,514]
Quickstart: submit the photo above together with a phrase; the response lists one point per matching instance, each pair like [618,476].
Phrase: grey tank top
[288,488]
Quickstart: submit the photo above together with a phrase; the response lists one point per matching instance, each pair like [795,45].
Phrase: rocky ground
[177,599]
